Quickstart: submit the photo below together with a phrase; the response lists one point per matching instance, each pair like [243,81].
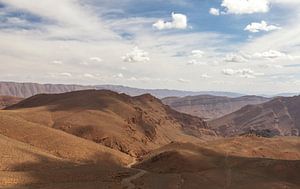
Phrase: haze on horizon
[217,45]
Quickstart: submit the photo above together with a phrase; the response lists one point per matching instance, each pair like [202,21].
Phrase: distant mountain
[280,116]
[211,107]
[163,93]
[25,90]
[288,94]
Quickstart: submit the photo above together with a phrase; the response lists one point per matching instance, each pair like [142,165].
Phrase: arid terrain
[279,116]
[211,107]
[91,139]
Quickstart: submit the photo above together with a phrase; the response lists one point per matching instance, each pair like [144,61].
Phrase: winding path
[127,182]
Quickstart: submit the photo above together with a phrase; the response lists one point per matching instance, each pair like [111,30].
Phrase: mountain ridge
[279,116]
[211,107]
[25,90]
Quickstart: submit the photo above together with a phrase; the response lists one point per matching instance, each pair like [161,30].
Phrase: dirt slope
[277,117]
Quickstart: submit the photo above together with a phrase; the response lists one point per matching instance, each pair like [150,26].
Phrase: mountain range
[25,90]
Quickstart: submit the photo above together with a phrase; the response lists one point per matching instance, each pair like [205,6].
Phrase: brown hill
[133,125]
[211,107]
[277,117]
[8,101]
[39,156]
[244,162]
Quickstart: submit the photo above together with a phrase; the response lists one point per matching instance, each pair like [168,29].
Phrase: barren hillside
[277,117]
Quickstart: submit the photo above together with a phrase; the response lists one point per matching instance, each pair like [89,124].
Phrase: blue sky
[249,46]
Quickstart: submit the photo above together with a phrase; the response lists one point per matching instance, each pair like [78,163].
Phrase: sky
[246,46]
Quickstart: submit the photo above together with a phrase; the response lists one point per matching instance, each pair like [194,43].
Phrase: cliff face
[276,117]
[211,107]
[25,90]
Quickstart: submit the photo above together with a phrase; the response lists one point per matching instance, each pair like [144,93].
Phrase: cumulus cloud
[214,11]
[96,59]
[136,55]
[271,54]
[245,6]
[57,62]
[236,58]
[179,21]
[196,58]
[245,73]
[197,53]
[255,27]
[87,75]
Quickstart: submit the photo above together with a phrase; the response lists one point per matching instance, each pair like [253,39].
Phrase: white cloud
[197,53]
[73,19]
[266,66]
[120,75]
[236,58]
[214,11]
[196,62]
[245,6]
[65,74]
[181,80]
[57,62]
[196,58]
[206,76]
[96,59]
[179,21]
[16,21]
[262,26]
[136,55]
[91,76]
[271,54]
[245,73]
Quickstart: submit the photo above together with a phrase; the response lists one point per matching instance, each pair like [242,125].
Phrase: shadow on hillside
[58,173]
[87,99]
[227,171]
[224,171]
